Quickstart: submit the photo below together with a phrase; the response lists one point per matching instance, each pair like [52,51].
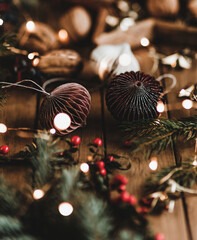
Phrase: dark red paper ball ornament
[133,96]
[70,98]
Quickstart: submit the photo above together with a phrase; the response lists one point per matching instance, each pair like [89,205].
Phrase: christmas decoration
[133,96]
[75,140]
[77,22]
[163,8]
[114,58]
[66,195]
[165,186]
[98,142]
[4,149]
[37,36]
[190,92]
[153,136]
[70,98]
[62,62]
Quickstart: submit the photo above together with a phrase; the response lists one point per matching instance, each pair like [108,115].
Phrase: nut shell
[133,96]
[61,62]
[41,39]
[163,8]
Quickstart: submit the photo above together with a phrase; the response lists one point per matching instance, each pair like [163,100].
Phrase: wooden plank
[173,225]
[18,111]
[185,78]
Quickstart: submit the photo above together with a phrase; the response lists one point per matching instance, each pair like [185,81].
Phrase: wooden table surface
[21,110]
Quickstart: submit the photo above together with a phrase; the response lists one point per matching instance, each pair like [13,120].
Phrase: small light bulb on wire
[35,62]
[38,194]
[1,21]
[52,131]
[153,164]
[62,121]
[3,128]
[187,104]
[32,55]
[65,209]
[160,107]
[84,167]
[30,25]
[63,35]
[144,42]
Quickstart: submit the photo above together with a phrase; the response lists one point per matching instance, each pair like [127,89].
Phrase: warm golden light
[62,121]
[30,25]
[63,35]
[195,162]
[103,67]
[111,20]
[126,23]
[52,131]
[1,21]
[125,59]
[90,158]
[38,194]
[32,55]
[187,104]
[3,128]
[65,208]
[144,42]
[153,164]
[35,62]
[84,167]
[160,107]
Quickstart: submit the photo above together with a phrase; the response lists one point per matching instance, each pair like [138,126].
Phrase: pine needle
[154,136]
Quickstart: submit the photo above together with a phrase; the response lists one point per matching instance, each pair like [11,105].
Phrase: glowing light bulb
[63,35]
[153,164]
[52,131]
[160,107]
[3,128]
[144,42]
[30,25]
[65,208]
[35,62]
[62,121]
[38,194]
[187,104]
[126,23]
[32,55]
[111,20]
[194,162]
[1,21]
[103,67]
[84,167]
[125,59]
[90,158]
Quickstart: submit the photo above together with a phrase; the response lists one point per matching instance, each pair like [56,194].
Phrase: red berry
[100,164]
[4,149]
[122,187]
[159,236]
[126,143]
[98,142]
[132,200]
[103,171]
[142,209]
[125,197]
[75,140]
[110,158]
[120,179]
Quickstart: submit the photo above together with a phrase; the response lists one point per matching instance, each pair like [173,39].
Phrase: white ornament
[115,58]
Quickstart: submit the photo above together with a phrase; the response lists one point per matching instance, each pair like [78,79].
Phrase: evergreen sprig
[6,41]
[154,136]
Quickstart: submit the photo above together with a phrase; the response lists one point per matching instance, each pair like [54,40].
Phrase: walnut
[163,8]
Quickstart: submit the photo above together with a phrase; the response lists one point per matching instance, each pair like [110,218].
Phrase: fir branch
[7,41]
[155,136]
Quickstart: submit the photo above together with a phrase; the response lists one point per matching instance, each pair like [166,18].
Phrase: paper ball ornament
[70,98]
[163,8]
[133,96]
